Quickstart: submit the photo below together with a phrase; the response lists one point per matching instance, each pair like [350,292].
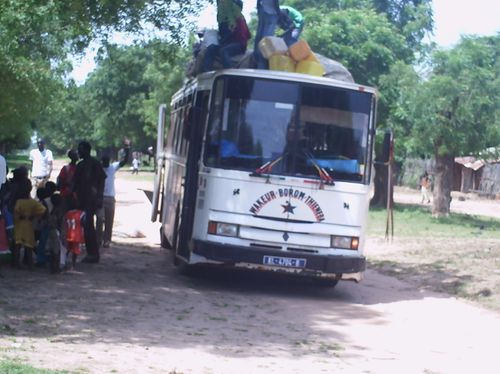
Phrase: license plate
[285,261]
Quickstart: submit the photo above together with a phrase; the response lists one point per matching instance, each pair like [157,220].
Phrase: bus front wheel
[163,239]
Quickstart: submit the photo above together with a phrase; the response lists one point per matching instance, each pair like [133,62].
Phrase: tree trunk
[442,185]
[380,185]
[379,198]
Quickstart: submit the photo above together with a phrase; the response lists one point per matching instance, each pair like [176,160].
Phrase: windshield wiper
[325,177]
[323,174]
[267,167]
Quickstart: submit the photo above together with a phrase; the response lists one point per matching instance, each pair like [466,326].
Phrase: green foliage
[14,161]
[411,18]
[16,367]
[165,75]
[29,57]
[364,41]
[396,99]
[119,99]
[37,35]
[414,221]
[471,107]
[114,92]
[66,119]
[454,111]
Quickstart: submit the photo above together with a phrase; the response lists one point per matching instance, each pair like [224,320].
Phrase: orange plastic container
[281,63]
[300,50]
[310,67]
[312,57]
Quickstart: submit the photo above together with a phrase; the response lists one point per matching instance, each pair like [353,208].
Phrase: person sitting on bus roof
[268,12]
[292,22]
[232,42]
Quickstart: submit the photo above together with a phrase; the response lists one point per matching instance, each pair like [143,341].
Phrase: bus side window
[173,131]
[182,141]
[188,123]
[178,115]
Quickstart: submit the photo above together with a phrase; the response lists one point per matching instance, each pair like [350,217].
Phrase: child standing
[73,235]
[135,165]
[25,211]
[425,186]
[53,246]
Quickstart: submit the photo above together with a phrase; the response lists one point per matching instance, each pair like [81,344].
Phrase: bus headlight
[345,242]
[221,228]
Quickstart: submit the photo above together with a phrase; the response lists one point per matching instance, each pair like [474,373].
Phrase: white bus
[267,170]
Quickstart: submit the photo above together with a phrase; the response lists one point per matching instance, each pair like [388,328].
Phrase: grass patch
[16,367]
[417,221]
[6,329]
[14,161]
[459,254]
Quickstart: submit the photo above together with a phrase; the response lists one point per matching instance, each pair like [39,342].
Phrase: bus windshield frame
[290,128]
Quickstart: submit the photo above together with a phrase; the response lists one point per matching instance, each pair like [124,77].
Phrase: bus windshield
[289,128]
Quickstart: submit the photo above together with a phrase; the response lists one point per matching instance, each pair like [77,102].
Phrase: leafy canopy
[456,109]
[37,35]
[120,98]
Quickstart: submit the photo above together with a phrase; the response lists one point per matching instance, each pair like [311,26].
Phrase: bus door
[193,132]
[160,168]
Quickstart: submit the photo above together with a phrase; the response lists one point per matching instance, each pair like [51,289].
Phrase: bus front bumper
[349,267]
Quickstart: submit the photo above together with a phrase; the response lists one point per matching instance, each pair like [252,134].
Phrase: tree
[457,109]
[364,41]
[397,95]
[411,18]
[120,98]
[452,112]
[126,89]
[165,75]
[37,35]
[66,119]
[114,93]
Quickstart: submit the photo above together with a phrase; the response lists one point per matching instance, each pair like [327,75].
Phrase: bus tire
[163,240]
[183,267]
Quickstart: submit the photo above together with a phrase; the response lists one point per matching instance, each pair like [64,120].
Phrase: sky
[452,19]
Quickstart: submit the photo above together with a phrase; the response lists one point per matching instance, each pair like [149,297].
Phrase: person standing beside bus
[25,211]
[65,180]
[425,185]
[41,164]
[89,189]
[268,12]
[106,215]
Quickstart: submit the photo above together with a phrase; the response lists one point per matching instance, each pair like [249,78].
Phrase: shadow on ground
[135,296]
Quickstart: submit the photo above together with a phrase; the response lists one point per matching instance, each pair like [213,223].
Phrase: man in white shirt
[106,215]
[41,164]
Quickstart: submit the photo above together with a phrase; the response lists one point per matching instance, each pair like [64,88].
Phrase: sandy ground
[460,202]
[133,313]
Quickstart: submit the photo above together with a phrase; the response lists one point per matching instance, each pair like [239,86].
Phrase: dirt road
[133,313]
